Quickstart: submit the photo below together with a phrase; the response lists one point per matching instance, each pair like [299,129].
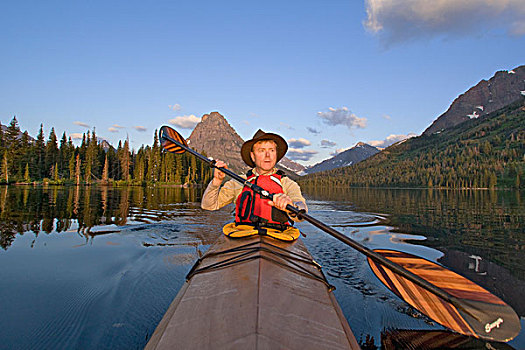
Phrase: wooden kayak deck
[265,294]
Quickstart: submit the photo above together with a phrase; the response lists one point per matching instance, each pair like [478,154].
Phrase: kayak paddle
[446,297]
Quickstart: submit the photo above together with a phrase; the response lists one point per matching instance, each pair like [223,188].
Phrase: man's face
[264,155]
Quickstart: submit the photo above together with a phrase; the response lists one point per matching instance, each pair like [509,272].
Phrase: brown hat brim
[282,146]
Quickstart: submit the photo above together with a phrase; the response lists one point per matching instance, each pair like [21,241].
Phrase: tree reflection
[481,222]
[56,209]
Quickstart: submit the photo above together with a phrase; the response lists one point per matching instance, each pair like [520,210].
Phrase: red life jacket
[251,209]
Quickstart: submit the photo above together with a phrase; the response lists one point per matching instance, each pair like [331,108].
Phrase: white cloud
[313,131]
[185,122]
[300,154]
[400,20]
[387,117]
[76,136]
[139,128]
[327,143]
[298,143]
[342,116]
[81,124]
[118,126]
[112,129]
[176,107]
[390,139]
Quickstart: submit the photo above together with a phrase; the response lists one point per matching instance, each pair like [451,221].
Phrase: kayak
[254,293]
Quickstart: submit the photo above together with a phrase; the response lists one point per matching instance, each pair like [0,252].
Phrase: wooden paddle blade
[167,135]
[474,311]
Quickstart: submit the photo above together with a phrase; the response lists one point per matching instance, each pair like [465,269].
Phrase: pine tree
[105,173]
[167,167]
[87,171]
[193,170]
[118,172]
[27,177]
[72,167]
[39,154]
[5,168]
[154,160]
[139,169]
[125,164]
[90,164]
[95,150]
[51,152]
[12,145]
[2,141]
[55,172]
[12,133]
[178,170]
[493,180]
[25,152]
[78,174]
[63,156]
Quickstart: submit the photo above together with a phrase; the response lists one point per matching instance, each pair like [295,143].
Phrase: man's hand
[280,201]
[218,176]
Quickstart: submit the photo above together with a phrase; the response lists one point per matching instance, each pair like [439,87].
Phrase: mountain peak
[215,136]
[213,116]
[504,88]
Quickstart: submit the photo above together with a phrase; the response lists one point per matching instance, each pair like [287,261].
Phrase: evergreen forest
[53,161]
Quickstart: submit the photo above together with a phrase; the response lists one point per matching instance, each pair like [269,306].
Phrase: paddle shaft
[334,233]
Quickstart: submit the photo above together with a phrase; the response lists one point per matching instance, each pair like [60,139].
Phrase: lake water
[97,267]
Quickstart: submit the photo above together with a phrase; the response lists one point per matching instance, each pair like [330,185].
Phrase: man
[261,153]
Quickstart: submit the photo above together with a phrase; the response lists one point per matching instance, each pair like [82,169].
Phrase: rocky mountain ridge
[356,154]
[504,88]
[214,136]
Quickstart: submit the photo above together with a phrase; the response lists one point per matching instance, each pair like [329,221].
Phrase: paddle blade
[169,138]
[474,311]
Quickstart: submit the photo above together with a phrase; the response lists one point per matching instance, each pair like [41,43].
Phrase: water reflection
[136,245]
[434,340]
[490,224]
[84,208]
[95,267]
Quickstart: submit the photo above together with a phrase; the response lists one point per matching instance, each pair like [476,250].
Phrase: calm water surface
[97,267]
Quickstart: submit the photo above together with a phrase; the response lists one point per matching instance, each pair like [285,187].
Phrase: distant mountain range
[351,156]
[214,136]
[485,152]
[217,138]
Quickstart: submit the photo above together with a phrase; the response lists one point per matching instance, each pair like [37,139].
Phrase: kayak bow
[255,292]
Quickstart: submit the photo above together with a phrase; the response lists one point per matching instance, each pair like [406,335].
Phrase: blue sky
[324,74]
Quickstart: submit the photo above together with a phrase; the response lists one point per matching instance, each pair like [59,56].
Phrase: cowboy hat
[260,135]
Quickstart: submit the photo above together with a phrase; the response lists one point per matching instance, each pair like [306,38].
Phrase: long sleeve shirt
[216,197]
